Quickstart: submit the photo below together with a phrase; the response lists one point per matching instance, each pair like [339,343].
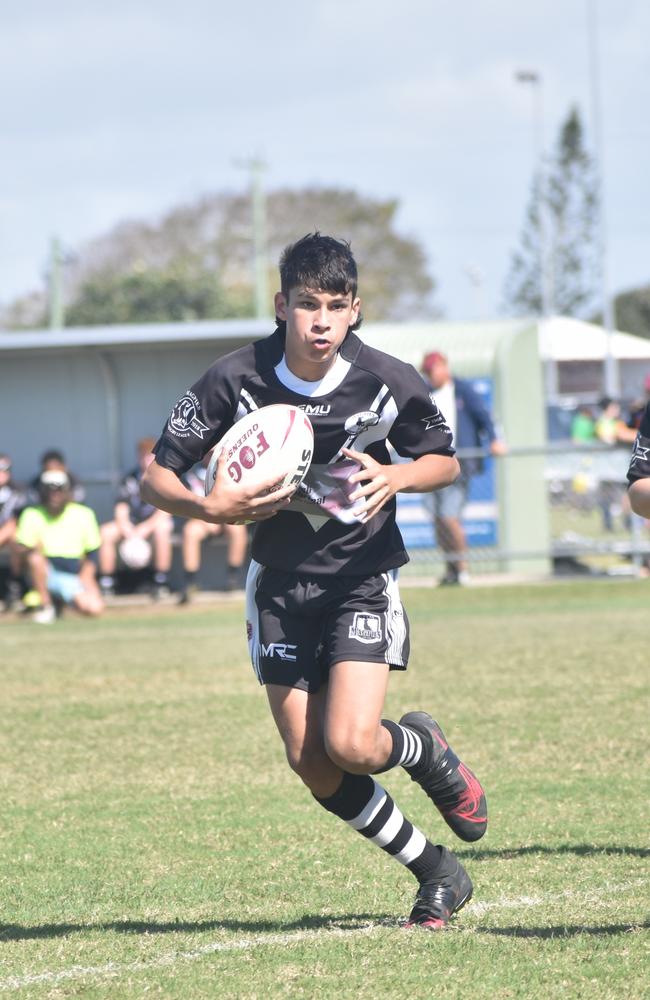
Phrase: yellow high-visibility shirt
[70,535]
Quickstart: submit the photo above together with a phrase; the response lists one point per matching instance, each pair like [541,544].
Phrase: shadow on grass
[562,931]
[346,922]
[581,850]
[14,932]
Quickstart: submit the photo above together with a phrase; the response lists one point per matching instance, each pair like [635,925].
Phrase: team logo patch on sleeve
[184,421]
[365,627]
[639,454]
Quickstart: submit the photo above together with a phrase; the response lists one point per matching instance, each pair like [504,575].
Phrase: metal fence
[588,525]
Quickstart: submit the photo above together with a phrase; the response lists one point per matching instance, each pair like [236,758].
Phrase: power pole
[57,317]
[533,79]
[256,167]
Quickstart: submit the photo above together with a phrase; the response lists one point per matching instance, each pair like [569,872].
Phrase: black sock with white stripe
[407,747]
[368,808]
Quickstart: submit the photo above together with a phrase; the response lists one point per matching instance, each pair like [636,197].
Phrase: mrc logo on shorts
[365,627]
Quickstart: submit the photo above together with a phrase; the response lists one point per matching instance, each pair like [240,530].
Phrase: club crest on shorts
[365,627]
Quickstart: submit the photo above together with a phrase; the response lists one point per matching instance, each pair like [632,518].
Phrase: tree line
[196,262]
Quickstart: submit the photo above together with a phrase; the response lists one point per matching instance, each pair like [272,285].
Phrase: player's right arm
[227,501]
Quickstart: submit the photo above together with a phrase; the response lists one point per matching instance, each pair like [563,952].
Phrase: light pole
[611,373]
[533,79]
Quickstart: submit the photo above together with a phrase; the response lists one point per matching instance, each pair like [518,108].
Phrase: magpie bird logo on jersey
[184,421]
[360,422]
[639,454]
[365,627]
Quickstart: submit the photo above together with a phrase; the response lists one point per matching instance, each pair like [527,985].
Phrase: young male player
[638,475]
[325,621]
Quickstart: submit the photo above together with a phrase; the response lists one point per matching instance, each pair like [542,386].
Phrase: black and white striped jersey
[366,399]
[640,461]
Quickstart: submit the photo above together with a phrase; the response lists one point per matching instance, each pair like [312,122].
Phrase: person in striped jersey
[325,621]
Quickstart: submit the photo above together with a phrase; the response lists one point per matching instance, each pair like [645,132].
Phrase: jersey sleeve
[419,428]
[640,461]
[198,420]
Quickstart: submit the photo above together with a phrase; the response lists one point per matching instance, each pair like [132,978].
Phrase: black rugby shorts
[300,626]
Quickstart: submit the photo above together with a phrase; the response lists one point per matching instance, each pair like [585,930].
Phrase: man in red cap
[472,427]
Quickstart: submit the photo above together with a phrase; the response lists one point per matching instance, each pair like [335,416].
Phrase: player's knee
[352,750]
[307,762]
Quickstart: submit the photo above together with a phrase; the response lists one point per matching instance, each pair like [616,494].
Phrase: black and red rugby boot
[438,899]
[451,786]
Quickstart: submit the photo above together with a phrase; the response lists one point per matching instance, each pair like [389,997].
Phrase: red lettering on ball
[234,471]
[262,443]
[247,457]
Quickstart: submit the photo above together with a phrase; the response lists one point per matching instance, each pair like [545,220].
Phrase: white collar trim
[330,381]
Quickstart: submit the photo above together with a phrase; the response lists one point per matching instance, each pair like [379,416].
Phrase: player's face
[317,323]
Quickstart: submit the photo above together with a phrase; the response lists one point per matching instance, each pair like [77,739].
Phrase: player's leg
[354,737]
[362,745]
[194,532]
[160,527]
[110,535]
[237,536]
[370,623]
[193,535]
[450,784]
[328,725]
[298,716]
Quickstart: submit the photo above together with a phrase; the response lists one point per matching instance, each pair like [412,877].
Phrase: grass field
[154,843]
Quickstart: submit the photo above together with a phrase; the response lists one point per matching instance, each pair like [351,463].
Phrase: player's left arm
[382,482]
[639,494]
[638,475]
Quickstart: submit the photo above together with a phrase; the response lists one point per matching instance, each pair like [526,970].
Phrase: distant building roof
[135,334]
[565,339]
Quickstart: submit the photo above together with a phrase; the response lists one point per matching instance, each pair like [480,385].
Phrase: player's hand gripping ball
[277,438]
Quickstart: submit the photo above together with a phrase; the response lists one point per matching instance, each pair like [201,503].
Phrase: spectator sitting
[133,518]
[58,539]
[194,533]
[12,500]
[53,460]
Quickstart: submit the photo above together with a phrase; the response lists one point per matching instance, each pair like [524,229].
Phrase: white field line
[114,969]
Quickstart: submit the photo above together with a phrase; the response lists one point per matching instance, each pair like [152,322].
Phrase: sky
[126,110]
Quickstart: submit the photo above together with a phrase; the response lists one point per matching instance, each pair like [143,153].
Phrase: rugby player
[638,475]
[324,618]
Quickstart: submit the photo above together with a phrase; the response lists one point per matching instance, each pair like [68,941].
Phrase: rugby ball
[277,438]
